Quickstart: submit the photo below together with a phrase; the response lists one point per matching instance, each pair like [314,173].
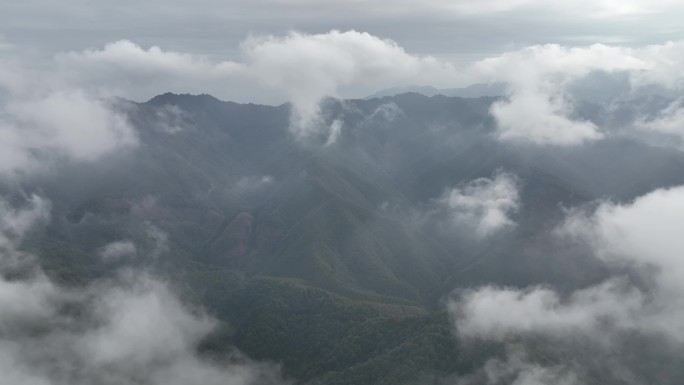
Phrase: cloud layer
[640,239]
[305,68]
[297,67]
[132,329]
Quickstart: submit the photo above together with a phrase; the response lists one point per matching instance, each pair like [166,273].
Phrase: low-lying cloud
[536,117]
[538,108]
[641,240]
[669,121]
[484,205]
[55,121]
[125,330]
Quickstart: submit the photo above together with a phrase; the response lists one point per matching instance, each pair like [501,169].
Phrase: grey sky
[457,30]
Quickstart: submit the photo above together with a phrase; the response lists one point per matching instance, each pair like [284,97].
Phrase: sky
[458,32]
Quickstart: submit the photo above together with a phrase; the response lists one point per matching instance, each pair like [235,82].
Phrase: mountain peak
[171,98]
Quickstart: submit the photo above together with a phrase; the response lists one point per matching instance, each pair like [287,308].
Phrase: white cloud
[42,118]
[22,301]
[72,123]
[335,132]
[541,311]
[644,233]
[126,69]
[301,68]
[536,117]
[538,108]
[139,324]
[304,68]
[132,329]
[643,237]
[310,67]
[663,65]
[124,54]
[15,223]
[484,205]
[669,121]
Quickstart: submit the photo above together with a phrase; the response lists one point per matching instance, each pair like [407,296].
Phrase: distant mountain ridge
[473,91]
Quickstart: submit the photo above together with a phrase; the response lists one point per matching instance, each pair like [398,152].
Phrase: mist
[172,216]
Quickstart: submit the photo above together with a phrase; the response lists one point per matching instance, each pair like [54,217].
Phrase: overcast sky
[36,33]
[455,29]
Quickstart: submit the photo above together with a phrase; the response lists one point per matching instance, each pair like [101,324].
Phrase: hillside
[335,260]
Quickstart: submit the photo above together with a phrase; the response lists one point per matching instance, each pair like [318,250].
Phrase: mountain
[472,91]
[335,260]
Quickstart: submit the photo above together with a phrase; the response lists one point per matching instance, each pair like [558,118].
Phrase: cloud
[310,67]
[518,369]
[130,329]
[172,119]
[642,241]
[484,205]
[540,118]
[663,65]
[538,109]
[297,67]
[134,330]
[118,250]
[15,224]
[669,121]
[305,68]
[437,26]
[542,311]
[42,119]
[642,236]
[126,69]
